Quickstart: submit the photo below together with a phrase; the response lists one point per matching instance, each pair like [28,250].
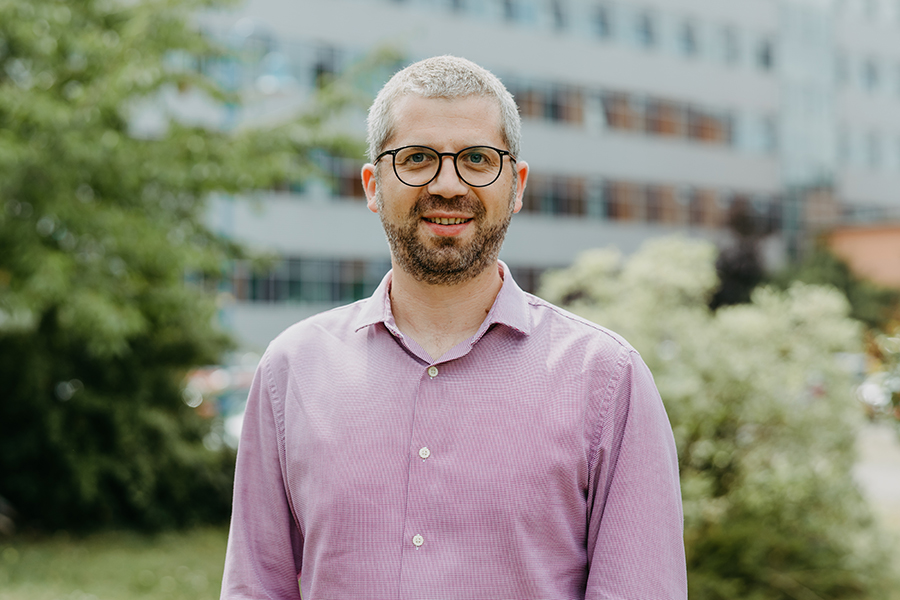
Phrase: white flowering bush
[763,415]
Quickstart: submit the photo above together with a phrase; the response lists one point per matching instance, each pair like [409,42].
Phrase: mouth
[447,220]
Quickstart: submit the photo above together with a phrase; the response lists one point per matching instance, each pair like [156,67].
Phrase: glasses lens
[416,165]
[480,165]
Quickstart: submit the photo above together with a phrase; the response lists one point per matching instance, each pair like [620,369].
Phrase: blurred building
[871,251]
[641,118]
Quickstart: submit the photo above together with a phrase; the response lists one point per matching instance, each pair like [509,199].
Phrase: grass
[114,566]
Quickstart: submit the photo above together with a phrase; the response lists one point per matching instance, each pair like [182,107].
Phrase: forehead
[446,124]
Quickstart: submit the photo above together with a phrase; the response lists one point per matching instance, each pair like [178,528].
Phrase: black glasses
[477,166]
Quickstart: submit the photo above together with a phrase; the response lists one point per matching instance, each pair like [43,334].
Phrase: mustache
[427,202]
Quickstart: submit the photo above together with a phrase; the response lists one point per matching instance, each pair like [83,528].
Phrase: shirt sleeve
[265,545]
[635,539]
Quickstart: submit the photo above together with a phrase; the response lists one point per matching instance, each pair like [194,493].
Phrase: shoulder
[315,334]
[560,324]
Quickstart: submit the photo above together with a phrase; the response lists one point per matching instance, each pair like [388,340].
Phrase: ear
[521,179]
[369,185]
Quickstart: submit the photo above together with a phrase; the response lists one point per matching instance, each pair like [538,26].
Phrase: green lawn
[114,566]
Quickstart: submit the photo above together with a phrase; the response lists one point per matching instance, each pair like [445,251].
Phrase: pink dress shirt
[534,460]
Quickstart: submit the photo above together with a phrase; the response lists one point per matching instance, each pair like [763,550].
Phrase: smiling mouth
[446,221]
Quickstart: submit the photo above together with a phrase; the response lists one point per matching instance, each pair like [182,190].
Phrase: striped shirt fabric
[532,461]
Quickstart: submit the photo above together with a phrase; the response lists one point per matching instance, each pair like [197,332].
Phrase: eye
[479,158]
[411,158]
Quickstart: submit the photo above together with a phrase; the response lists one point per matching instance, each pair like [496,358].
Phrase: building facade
[641,118]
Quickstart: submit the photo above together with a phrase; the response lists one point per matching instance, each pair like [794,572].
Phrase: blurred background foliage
[763,416]
[104,254]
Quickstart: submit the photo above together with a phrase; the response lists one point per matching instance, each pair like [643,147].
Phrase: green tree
[99,230]
[870,303]
[764,421]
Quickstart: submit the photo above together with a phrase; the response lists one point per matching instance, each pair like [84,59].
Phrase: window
[660,205]
[602,22]
[870,75]
[645,30]
[619,201]
[564,104]
[308,280]
[594,203]
[665,118]
[509,10]
[345,180]
[765,56]
[706,127]
[696,208]
[687,39]
[549,102]
[620,111]
[325,67]
[555,195]
[557,12]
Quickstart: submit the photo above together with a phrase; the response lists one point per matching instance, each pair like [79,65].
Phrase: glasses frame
[441,156]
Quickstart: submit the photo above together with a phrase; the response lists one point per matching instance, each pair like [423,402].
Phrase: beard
[445,260]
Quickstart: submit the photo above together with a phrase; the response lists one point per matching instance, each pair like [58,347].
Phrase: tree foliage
[764,420]
[99,228]
[870,303]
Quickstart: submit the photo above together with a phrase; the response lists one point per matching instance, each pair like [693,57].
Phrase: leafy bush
[764,420]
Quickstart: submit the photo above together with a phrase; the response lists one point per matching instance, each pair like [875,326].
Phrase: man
[452,436]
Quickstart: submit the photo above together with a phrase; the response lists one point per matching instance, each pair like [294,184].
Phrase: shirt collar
[510,307]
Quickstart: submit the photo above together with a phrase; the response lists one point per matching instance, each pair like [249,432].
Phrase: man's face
[446,232]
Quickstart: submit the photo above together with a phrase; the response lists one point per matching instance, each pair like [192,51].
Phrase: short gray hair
[446,77]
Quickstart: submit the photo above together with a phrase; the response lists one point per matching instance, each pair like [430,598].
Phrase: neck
[439,317]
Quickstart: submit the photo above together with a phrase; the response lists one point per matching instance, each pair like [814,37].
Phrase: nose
[447,184]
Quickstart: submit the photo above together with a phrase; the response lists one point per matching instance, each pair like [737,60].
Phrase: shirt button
[432,371]
[424,452]
[418,540]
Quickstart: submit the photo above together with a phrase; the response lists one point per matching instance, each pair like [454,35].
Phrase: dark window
[664,118]
[696,212]
[558,13]
[766,55]
[653,204]
[509,10]
[325,67]
[619,201]
[687,39]
[308,280]
[602,22]
[646,32]
[870,75]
